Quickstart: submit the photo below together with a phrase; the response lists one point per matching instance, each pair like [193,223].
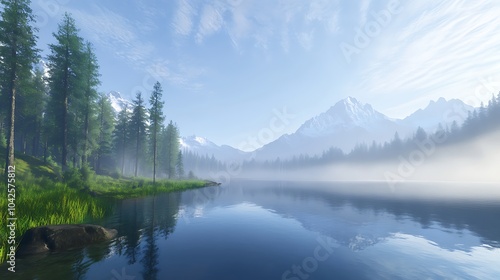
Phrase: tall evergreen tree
[91,81]
[155,121]
[65,81]
[106,126]
[29,113]
[180,165]
[138,128]
[172,149]
[121,138]
[18,52]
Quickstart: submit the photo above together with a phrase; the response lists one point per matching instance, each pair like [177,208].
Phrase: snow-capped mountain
[118,102]
[344,125]
[204,147]
[439,112]
[345,114]
[350,122]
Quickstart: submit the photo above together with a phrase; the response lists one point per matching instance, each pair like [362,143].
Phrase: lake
[291,230]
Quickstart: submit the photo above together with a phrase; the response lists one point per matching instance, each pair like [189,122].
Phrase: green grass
[27,166]
[43,202]
[126,188]
[41,199]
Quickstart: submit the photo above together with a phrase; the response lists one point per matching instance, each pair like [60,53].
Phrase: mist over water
[467,170]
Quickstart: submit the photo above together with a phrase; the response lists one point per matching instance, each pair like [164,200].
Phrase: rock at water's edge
[62,237]
[209,183]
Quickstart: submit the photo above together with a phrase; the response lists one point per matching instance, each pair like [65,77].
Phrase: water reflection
[258,230]
[456,215]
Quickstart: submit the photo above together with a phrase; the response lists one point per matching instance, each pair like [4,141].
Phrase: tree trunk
[137,152]
[65,135]
[154,158]
[101,128]
[9,160]
[45,150]
[10,129]
[85,133]
[65,113]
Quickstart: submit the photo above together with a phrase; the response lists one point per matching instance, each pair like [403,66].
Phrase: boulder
[209,183]
[62,237]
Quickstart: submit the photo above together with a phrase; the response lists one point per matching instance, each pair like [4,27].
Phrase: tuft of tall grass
[44,202]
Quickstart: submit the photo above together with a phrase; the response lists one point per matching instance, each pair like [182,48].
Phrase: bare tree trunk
[86,133]
[12,113]
[136,157]
[65,113]
[10,130]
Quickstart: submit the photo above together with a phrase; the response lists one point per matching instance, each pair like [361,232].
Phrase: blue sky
[227,66]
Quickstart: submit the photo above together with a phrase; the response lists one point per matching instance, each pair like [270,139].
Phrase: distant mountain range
[203,146]
[350,122]
[344,125]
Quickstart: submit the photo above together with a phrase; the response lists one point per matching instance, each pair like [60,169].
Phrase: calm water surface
[275,230]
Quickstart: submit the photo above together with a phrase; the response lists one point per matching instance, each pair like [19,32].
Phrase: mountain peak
[115,94]
[352,106]
[117,101]
[195,141]
[435,113]
[440,101]
[347,112]
[349,100]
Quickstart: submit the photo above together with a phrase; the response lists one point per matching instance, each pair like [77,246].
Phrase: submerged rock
[209,183]
[62,237]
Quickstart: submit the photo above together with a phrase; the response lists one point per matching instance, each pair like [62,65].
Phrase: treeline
[480,121]
[202,165]
[53,110]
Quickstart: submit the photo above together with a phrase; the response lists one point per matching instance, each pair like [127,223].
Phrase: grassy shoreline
[42,201]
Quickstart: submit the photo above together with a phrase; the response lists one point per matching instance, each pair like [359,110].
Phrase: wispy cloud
[325,12]
[183,18]
[210,22]
[266,24]
[111,30]
[119,34]
[432,49]
[180,74]
[363,11]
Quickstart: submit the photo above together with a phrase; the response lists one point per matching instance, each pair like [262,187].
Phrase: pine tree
[18,52]
[172,149]
[91,81]
[121,138]
[180,166]
[29,113]
[106,126]
[420,135]
[156,121]
[65,81]
[138,128]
